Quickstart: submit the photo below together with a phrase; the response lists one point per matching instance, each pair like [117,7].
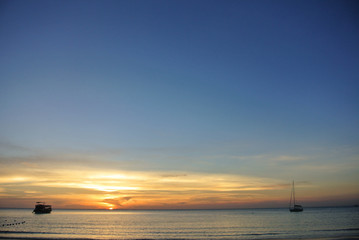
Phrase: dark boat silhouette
[295,207]
[41,207]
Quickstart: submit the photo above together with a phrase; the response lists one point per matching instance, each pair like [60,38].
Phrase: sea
[181,224]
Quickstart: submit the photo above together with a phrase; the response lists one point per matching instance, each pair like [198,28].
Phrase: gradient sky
[178,104]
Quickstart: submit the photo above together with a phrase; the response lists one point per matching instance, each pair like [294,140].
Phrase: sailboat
[293,207]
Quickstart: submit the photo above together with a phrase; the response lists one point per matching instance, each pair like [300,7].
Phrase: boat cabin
[41,207]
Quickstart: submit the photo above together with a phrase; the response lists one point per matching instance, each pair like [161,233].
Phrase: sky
[178,104]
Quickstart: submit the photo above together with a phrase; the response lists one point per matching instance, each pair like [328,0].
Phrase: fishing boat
[293,207]
[41,207]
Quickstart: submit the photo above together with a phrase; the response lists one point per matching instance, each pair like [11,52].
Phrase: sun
[110,208]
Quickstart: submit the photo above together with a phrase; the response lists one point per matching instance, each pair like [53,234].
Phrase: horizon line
[186,209]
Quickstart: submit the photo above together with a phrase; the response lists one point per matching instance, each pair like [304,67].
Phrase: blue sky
[206,86]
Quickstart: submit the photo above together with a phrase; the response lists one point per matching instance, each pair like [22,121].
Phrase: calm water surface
[181,224]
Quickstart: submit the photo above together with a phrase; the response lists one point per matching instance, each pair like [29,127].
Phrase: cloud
[117,202]
[288,158]
[173,175]
[7,148]
[109,186]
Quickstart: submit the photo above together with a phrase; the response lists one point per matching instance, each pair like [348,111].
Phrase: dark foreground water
[182,224]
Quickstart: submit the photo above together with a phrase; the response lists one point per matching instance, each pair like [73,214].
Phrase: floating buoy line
[12,223]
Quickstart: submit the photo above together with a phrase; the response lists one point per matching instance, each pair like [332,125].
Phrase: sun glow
[109,188]
[112,189]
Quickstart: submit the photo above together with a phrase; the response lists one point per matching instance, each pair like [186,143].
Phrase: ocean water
[181,224]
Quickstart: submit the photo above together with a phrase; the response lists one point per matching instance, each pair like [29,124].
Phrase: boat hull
[296,210]
[42,211]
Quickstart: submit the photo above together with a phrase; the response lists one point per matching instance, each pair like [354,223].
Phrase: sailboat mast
[291,198]
[293,194]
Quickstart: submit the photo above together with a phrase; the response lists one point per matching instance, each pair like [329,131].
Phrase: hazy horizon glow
[67,182]
[178,105]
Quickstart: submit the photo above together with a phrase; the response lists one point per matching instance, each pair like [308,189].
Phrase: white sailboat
[293,207]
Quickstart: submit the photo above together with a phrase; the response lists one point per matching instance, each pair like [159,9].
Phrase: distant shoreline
[180,209]
[324,238]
